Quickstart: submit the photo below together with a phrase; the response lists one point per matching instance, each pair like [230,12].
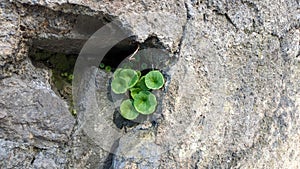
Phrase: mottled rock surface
[233,100]
[35,125]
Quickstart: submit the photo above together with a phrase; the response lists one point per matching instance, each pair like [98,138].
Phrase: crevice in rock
[188,17]
[60,66]
[227,18]
[119,52]
[108,163]
[61,63]
[114,56]
[150,43]
[32,161]
[55,38]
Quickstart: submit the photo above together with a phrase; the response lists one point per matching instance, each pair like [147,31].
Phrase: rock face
[35,125]
[232,102]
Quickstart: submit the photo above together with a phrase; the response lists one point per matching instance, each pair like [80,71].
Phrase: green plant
[65,74]
[154,80]
[102,66]
[141,100]
[145,102]
[107,68]
[71,77]
[127,110]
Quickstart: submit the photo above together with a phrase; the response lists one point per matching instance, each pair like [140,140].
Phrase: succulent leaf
[154,80]
[119,85]
[127,110]
[130,76]
[145,102]
[117,71]
[102,65]
[107,68]
[139,73]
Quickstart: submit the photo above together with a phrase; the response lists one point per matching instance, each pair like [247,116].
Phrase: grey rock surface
[35,125]
[24,155]
[32,113]
[91,139]
[233,100]
[15,155]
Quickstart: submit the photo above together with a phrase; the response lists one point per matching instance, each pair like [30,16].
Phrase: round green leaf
[119,85]
[102,65]
[70,77]
[107,68]
[117,71]
[145,102]
[154,80]
[127,110]
[130,76]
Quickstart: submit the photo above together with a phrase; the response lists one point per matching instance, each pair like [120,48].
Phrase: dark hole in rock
[61,66]
[145,71]
[126,48]
[57,43]
[119,52]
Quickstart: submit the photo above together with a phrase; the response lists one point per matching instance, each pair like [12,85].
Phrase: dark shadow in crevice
[121,122]
[152,42]
[108,163]
[119,52]
[126,48]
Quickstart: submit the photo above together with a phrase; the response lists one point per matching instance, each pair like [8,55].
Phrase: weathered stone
[237,81]
[34,113]
[15,155]
[233,100]
[23,155]
[52,158]
[137,148]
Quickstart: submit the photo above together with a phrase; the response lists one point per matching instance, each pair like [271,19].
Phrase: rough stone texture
[15,155]
[35,124]
[233,100]
[248,92]
[32,113]
[23,155]
[90,146]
